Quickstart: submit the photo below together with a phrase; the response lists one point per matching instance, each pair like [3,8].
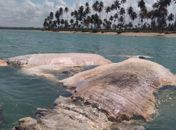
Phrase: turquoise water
[20,95]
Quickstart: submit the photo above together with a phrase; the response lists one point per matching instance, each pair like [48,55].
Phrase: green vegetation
[114,18]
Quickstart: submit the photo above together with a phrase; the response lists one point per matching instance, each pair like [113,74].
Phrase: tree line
[115,17]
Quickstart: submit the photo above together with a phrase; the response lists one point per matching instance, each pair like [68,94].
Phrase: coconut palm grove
[115,17]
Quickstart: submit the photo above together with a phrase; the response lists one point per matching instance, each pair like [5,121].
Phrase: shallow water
[20,95]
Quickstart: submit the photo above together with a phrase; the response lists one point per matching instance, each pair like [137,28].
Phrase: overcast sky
[31,13]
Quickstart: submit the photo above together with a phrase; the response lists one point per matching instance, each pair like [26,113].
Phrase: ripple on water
[166,117]
[21,95]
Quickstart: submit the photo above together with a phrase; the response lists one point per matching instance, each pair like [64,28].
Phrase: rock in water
[113,93]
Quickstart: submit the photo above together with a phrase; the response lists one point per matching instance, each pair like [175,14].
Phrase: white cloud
[26,13]
[29,13]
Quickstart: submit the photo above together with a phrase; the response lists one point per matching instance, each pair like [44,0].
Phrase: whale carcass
[48,64]
[64,59]
[109,94]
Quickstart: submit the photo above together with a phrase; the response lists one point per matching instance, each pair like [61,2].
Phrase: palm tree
[170,17]
[51,15]
[143,10]
[81,14]
[115,7]
[66,11]
[123,1]
[130,10]
[107,24]
[87,4]
[116,16]
[101,6]
[134,16]
[95,6]
[116,4]
[61,11]
[160,12]
[111,18]
[121,20]
[141,5]
[75,15]
[57,15]
[82,17]
[87,10]
[122,11]
[71,22]
[131,13]
[107,10]
[122,16]
[45,24]
[87,21]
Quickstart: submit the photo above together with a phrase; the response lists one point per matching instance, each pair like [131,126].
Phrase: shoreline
[135,34]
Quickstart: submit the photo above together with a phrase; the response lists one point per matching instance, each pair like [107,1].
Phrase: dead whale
[46,64]
[108,94]
[123,90]
[58,59]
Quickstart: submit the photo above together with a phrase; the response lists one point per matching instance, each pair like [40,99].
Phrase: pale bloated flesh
[111,93]
[3,63]
[124,90]
[44,64]
[60,59]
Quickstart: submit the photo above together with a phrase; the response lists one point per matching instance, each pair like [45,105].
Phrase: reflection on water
[20,95]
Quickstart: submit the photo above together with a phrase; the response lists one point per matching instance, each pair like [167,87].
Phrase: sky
[31,13]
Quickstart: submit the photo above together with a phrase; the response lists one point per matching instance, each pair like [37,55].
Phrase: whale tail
[3,63]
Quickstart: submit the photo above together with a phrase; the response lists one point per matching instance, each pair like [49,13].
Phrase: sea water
[20,95]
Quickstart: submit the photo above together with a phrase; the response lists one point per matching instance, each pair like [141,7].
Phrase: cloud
[31,13]
[26,13]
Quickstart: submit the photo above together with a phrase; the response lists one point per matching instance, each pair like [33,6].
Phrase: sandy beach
[148,34]
[135,34]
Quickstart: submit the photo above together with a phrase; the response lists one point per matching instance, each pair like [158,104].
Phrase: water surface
[20,95]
